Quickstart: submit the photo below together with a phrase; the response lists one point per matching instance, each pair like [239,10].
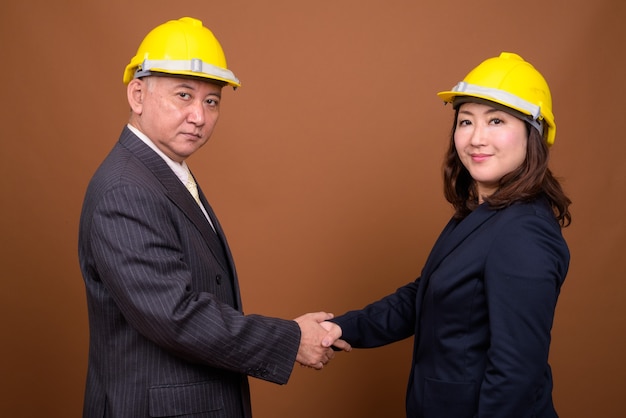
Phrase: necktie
[192,187]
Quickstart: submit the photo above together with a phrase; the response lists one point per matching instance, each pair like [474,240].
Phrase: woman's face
[490,143]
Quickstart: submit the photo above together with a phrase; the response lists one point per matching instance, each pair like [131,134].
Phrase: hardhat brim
[450,96]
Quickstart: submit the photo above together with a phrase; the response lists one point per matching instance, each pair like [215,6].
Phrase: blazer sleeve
[139,257]
[388,320]
[524,270]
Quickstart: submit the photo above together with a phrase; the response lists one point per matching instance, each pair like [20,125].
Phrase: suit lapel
[453,235]
[179,195]
[219,232]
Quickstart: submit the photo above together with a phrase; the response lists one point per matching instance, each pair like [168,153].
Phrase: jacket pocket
[192,398]
[449,399]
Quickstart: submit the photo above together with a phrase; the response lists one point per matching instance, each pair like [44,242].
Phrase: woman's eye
[464,122]
[496,121]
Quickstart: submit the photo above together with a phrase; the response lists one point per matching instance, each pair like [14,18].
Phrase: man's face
[177,114]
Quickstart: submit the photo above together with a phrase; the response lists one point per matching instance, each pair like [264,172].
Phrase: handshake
[318,337]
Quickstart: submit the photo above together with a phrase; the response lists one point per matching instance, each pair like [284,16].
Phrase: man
[167,333]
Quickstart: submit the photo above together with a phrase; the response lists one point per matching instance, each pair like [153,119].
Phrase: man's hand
[317,338]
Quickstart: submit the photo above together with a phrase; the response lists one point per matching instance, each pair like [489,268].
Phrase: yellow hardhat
[514,83]
[181,47]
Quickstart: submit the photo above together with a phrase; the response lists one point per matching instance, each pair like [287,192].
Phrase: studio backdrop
[324,169]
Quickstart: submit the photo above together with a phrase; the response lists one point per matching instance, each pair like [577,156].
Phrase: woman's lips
[480,157]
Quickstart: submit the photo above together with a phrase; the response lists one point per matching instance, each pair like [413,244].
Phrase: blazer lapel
[453,235]
[219,232]
[179,195]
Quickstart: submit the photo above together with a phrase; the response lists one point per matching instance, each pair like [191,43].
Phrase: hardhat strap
[193,65]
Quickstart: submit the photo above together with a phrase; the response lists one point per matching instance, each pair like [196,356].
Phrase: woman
[482,309]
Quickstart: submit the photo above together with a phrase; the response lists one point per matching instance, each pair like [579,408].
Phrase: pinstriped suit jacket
[167,332]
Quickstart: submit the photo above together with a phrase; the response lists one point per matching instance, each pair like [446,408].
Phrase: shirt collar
[180,169]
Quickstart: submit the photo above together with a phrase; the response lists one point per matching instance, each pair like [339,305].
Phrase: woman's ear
[136,91]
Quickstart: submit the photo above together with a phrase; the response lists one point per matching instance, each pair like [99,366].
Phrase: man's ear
[136,92]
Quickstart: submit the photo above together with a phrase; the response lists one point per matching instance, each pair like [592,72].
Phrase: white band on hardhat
[505,98]
[194,65]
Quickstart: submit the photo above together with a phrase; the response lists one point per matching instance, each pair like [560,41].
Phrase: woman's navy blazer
[481,313]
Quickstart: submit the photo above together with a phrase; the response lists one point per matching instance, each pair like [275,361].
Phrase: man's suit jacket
[167,332]
[481,314]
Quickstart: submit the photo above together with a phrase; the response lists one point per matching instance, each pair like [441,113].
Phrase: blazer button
[218,279]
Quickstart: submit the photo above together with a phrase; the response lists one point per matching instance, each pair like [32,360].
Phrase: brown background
[324,169]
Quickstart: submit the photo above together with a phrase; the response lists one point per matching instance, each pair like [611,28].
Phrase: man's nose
[196,113]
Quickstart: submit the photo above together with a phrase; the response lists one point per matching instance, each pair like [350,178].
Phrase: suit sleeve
[523,275]
[139,257]
[383,322]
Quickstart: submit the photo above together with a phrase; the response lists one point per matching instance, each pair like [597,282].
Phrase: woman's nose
[478,136]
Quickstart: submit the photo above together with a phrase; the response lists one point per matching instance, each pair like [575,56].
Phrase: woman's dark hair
[529,181]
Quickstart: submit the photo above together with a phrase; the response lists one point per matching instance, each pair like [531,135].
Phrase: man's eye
[184,95]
